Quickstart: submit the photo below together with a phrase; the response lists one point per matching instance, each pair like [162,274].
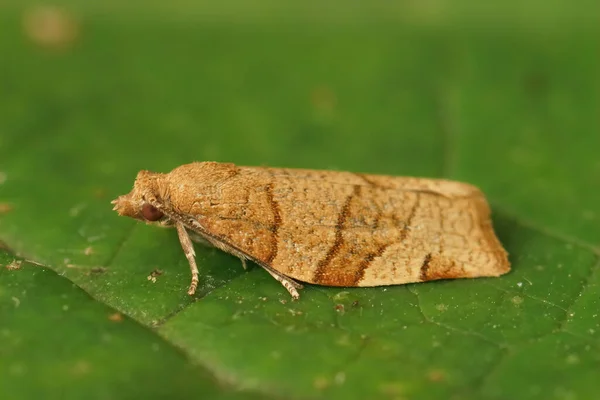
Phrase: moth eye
[151,213]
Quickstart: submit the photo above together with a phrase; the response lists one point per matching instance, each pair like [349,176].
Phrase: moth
[323,227]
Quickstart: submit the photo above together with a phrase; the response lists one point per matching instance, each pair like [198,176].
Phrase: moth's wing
[345,229]
[368,230]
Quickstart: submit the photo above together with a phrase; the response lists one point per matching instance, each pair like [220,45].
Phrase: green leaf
[504,100]
[58,342]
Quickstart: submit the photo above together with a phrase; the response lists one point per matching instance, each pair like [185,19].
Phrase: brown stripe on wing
[276,223]
[343,264]
[362,267]
[369,181]
[425,267]
[436,267]
[411,215]
[322,275]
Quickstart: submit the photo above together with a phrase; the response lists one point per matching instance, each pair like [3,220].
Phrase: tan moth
[324,227]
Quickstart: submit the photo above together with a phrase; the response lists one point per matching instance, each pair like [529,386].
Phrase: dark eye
[151,213]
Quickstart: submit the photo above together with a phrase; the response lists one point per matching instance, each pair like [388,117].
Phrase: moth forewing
[325,227]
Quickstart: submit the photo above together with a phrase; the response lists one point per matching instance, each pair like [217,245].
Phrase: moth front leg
[190,254]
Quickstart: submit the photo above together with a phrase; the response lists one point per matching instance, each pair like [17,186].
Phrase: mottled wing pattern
[346,229]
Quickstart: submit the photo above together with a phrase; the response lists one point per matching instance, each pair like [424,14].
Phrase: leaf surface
[510,106]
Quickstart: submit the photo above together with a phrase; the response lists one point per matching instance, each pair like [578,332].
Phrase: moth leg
[190,254]
[279,276]
[287,283]
[244,265]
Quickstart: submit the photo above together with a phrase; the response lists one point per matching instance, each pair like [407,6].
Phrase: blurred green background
[505,95]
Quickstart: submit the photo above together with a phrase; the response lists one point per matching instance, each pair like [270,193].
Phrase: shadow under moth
[323,227]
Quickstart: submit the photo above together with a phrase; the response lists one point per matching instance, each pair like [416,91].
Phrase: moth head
[142,202]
